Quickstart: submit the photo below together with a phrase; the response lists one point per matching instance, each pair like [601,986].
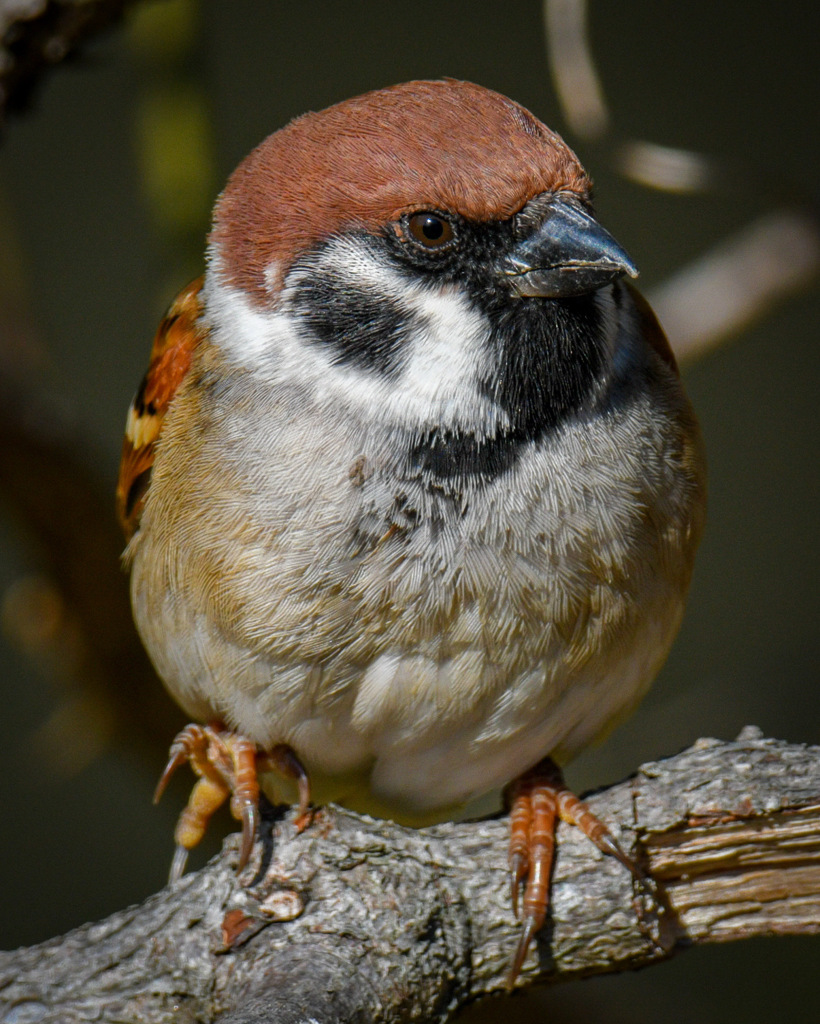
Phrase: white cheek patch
[350,260]
[446,358]
[240,330]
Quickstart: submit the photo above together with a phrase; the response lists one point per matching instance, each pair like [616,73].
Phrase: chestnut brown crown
[439,145]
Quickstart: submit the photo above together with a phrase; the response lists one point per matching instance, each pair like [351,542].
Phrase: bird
[411,489]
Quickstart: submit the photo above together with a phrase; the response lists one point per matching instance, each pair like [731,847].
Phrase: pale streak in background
[665,168]
[573,70]
[735,283]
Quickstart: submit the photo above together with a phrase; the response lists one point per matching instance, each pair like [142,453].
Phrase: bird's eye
[430,230]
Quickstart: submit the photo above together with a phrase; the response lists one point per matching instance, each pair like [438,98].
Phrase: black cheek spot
[361,327]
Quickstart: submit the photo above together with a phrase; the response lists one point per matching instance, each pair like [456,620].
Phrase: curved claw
[518,872]
[608,844]
[528,933]
[282,759]
[249,821]
[175,761]
[178,864]
[305,813]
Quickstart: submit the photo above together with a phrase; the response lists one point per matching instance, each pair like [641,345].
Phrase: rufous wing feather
[174,344]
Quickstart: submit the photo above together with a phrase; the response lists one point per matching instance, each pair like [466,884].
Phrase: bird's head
[428,248]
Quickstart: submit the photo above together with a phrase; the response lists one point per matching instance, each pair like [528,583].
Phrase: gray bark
[362,920]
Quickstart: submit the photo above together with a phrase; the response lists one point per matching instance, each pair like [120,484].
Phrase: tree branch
[36,34]
[362,920]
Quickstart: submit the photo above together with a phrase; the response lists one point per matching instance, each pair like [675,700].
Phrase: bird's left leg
[227,765]
[537,800]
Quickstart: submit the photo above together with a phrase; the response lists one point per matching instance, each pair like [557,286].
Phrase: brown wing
[174,343]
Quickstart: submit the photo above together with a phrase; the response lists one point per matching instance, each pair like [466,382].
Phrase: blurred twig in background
[36,34]
[735,284]
[738,282]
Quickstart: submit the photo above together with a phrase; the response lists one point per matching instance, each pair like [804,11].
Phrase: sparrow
[411,488]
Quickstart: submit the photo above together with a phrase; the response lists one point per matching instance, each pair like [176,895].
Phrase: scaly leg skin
[537,800]
[227,764]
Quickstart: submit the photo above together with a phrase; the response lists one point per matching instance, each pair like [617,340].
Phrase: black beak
[568,253]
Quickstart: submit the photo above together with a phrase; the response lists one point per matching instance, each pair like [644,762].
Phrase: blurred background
[106,184]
